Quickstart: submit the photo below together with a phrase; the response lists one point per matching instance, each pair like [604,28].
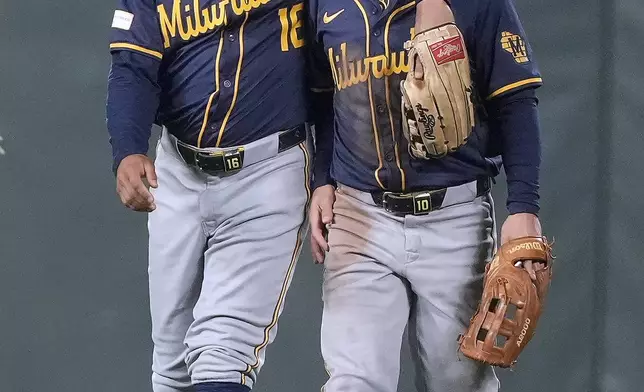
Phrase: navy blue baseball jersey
[361,43]
[214,73]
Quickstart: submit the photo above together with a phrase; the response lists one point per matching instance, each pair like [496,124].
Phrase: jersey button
[374,11]
[227,83]
[380,109]
[376,33]
[389,157]
[231,37]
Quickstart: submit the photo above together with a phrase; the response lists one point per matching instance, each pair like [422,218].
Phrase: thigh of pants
[447,252]
[222,256]
[366,303]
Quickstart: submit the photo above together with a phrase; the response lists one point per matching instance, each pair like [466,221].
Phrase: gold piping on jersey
[512,86]
[212,96]
[301,233]
[391,117]
[236,88]
[373,112]
[137,48]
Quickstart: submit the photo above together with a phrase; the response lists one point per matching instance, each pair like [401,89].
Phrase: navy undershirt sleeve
[515,121]
[322,107]
[132,102]
[321,110]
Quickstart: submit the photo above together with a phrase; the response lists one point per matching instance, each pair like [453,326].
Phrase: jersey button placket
[227,71]
[227,83]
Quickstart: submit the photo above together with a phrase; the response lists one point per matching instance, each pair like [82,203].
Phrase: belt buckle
[422,203]
[232,160]
[385,205]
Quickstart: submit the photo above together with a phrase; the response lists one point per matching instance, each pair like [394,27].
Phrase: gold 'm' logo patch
[516,46]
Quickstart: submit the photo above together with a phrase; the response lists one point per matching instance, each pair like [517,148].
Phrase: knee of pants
[464,375]
[347,382]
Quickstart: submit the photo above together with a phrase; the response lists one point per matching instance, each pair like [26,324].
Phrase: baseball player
[230,183]
[401,213]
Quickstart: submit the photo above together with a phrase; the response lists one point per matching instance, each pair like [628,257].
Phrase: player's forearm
[132,103]
[432,13]
[516,118]
[322,115]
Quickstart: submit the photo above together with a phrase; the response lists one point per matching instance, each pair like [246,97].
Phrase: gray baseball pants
[385,272]
[222,253]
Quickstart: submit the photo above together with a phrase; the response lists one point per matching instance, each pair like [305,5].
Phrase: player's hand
[321,215]
[429,14]
[134,174]
[521,225]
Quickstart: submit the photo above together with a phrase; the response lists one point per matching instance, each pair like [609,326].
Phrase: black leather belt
[230,160]
[421,202]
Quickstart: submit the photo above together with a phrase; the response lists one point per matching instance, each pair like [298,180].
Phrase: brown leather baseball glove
[512,303]
[437,107]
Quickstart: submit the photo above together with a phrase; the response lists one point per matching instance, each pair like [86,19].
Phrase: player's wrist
[317,185]
[432,13]
[118,158]
[517,207]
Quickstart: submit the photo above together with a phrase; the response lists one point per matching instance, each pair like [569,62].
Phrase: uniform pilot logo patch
[515,45]
[448,50]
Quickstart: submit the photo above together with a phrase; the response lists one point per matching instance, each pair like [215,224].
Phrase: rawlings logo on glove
[448,50]
[428,122]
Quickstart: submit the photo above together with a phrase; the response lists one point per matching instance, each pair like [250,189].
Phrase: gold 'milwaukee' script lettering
[190,21]
[348,73]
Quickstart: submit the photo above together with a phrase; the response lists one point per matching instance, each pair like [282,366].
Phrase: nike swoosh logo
[328,18]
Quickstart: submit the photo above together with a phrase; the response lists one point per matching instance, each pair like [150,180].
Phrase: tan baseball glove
[512,303]
[438,113]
